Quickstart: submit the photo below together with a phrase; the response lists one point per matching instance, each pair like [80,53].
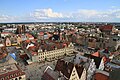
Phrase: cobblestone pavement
[34,71]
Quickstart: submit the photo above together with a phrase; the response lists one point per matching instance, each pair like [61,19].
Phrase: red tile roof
[29,35]
[97,54]
[41,33]
[32,48]
[12,74]
[6,33]
[67,67]
[24,56]
[51,45]
[106,28]
[100,76]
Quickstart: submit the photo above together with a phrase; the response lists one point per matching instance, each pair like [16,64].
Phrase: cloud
[87,13]
[110,15]
[5,18]
[46,14]
[96,15]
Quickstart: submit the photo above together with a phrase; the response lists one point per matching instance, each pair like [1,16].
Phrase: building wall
[19,40]
[74,75]
[35,58]
[113,43]
[83,76]
[8,42]
[91,69]
[101,67]
[92,44]
[23,77]
[52,55]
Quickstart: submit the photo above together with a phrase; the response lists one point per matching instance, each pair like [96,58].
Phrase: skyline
[59,11]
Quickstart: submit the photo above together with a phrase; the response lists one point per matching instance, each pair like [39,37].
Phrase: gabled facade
[83,76]
[102,65]
[99,62]
[71,71]
[74,75]
[89,65]
[7,42]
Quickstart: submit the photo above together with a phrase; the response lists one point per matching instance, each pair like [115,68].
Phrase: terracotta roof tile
[13,73]
[100,76]
[106,28]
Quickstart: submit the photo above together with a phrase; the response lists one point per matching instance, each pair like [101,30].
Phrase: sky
[59,11]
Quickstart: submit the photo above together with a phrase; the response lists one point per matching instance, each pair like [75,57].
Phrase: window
[114,39]
[16,79]
[74,71]
[7,43]
[2,79]
[73,74]
[20,77]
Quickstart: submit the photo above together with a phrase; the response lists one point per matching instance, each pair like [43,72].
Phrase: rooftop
[10,71]
[50,74]
[8,68]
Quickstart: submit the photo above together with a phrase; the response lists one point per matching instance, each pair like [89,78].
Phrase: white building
[52,54]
